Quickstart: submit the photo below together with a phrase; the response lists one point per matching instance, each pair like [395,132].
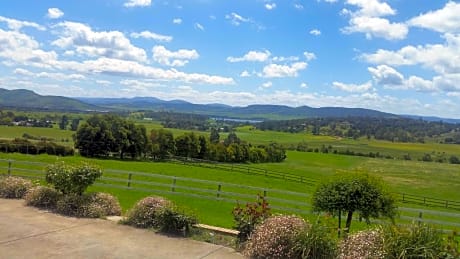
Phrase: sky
[398,56]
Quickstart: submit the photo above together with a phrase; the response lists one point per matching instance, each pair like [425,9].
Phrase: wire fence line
[279,200]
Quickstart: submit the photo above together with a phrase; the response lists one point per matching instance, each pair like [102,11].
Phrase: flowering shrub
[14,187]
[145,213]
[174,220]
[275,238]
[42,197]
[93,205]
[363,245]
[70,179]
[246,218]
[316,241]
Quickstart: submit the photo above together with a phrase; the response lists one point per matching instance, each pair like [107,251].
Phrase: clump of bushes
[24,146]
[42,197]
[70,179]
[362,245]
[315,241]
[92,205]
[161,214]
[248,217]
[275,238]
[14,187]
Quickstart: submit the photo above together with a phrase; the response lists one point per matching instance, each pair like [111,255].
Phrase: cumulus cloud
[151,35]
[16,25]
[54,13]
[173,58]
[298,6]
[177,21]
[275,70]
[198,26]
[270,6]
[441,58]
[111,44]
[386,75]
[252,56]
[309,55]
[267,84]
[315,32]
[54,76]
[137,3]
[303,85]
[368,19]
[245,73]
[236,19]
[353,88]
[443,20]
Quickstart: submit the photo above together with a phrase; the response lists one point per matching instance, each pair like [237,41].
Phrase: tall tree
[214,138]
[352,193]
[64,122]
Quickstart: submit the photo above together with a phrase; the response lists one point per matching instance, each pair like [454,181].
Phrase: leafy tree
[74,124]
[163,144]
[72,179]
[204,147]
[454,160]
[360,193]
[64,122]
[187,145]
[232,138]
[214,138]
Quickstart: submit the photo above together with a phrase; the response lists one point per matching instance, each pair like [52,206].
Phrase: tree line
[110,135]
[391,129]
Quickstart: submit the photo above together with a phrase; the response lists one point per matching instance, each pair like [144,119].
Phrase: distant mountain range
[26,99]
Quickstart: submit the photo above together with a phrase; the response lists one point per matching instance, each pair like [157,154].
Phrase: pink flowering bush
[93,205]
[275,237]
[42,197]
[363,245]
[14,187]
[145,213]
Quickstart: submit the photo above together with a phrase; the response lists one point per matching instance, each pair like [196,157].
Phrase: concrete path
[27,232]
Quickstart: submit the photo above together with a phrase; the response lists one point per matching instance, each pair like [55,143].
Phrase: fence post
[219,188]
[9,167]
[420,214]
[173,186]
[129,179]
[403,197]
[265,193]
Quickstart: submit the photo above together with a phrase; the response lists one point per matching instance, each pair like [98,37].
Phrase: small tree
[72,179]
[360,193]
[248,217]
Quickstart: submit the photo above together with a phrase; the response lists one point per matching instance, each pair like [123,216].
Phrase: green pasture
[59,136]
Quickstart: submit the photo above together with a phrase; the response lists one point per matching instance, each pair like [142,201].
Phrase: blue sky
[399,56]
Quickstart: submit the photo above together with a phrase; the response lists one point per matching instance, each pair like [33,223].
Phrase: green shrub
[70,179]
[14,187]
[413,241]
[145,213]
[248,217]
[42,197]
[173,220]
[363,245]
[275,238]
[93,205]
[315,241]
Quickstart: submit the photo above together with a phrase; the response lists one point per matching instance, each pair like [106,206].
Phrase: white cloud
[245,73]
[315,32]
[198,26]
[441,58]
[309,55]
[104,82]
[275,70]
[236,19]
[443,20]
[376,27]
[177,21]
[270,6]
[368,19]
[138,3]
[298,6]
[173,58]
[303,85]
[16,25]
[54,76]
[267,84]
[139,84]
[386,75]
[252,56]
[111,44]
[284,59]
[152,35]
[353,88]
[54,13]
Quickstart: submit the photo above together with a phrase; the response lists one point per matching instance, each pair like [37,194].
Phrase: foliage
[363,245]
[14,187]
[315,241]
[72,179]
[102,135]
[42,197]
[174,220]
[145,213]
[25,146]
[275,238]
[248,217]
[362,193]
[414,241]
[93,205]
[163,144]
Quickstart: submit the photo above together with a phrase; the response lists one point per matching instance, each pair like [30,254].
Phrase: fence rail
[280,200]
